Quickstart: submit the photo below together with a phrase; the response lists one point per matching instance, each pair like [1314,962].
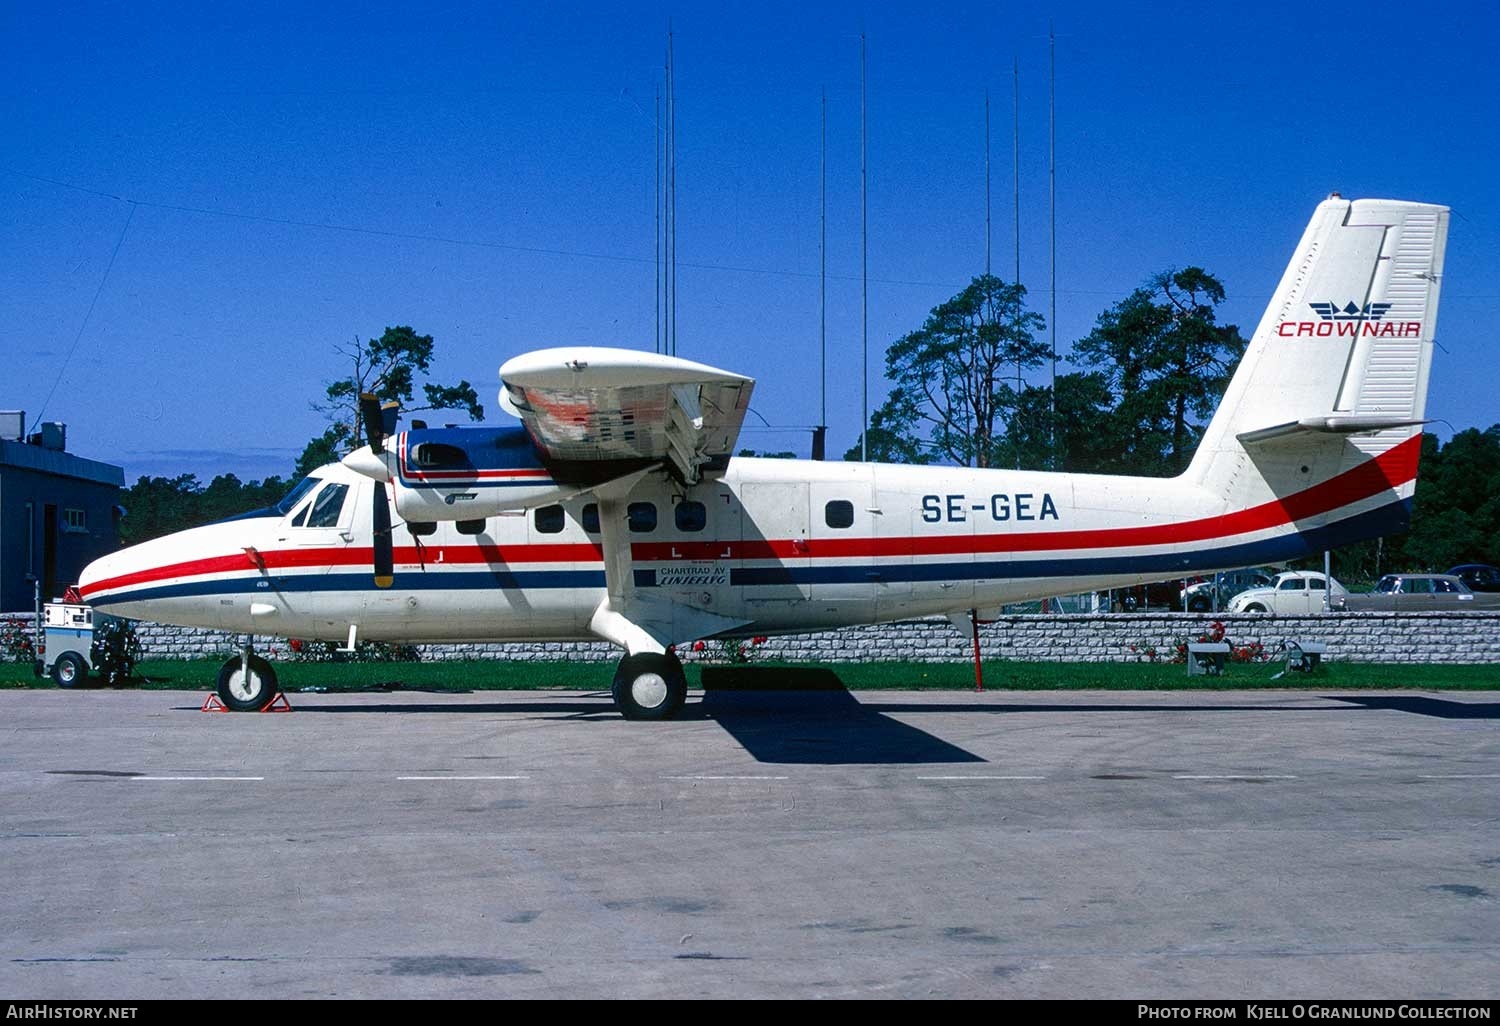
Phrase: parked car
[1199,597]
[1293,593]
[1414,593]
[1478,576]
[1140,597]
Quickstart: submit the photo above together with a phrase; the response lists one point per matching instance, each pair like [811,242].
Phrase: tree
[387,366]
[1167,361]
[1085,431]
[952,399]
[155,506]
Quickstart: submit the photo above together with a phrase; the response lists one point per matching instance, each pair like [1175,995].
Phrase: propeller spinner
[379,419]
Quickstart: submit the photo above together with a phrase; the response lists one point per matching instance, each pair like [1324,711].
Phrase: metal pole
[864,264]
[986,182]
[1327,581]
[978,666]
[823,264]
[1016,160]
[671,132]
[658,286]
[1052,190]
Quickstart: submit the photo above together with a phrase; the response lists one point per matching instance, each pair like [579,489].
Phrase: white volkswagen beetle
[1293,593]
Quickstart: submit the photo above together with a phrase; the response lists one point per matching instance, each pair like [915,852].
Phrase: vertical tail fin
[1335,376]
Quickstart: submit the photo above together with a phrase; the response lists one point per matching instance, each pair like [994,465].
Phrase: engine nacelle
[468,473]
[474,473]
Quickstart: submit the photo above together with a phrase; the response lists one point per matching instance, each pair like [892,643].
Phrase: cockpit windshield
[294,496]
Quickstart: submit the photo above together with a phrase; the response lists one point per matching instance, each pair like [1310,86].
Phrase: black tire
[70,670]
[1199,604]
[650,686]
[1255,607]
[252,696]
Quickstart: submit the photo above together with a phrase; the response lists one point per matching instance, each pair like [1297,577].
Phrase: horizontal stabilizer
[1329,424]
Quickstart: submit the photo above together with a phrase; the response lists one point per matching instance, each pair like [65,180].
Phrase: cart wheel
[70,670]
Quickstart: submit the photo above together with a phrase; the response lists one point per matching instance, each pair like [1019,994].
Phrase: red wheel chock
[212,704]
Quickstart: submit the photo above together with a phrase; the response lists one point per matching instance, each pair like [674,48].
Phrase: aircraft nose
[93,583]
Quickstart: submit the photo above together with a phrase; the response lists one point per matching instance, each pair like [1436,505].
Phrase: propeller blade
[385,572]
[372,418]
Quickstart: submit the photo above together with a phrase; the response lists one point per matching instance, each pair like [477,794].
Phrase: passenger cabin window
[1446,587]
[839,513]
[327,506]
[591,518]
[1317,584]
[1293,584]
[690,515]
[421,528]
[641,516]
[549,519]
[470,526]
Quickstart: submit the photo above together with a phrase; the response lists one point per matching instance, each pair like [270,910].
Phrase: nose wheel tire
[247,692]
[650,686]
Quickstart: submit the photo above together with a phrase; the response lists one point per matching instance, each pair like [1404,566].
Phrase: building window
[75,521]
[641,516]
[549,520]
[691,516]
[839,513]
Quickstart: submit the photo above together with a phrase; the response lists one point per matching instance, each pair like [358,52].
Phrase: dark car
[1199,597]
[1478,576]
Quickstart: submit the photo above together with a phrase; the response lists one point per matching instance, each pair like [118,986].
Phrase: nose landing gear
[249,691]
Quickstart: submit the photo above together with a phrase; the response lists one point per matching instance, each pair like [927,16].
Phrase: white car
[1293,593]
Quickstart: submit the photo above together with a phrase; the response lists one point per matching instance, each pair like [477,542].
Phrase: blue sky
[294,170]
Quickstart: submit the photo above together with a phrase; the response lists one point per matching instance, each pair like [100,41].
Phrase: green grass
[200,675]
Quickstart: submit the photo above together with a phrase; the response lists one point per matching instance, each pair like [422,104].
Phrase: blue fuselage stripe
[1387,519]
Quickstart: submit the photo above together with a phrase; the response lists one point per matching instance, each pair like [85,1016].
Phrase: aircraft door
[771,574]
[696,541]
[849,568]
[317,537]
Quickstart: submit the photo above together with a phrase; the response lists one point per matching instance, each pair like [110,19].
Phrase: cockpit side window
[289,503]
[327,506]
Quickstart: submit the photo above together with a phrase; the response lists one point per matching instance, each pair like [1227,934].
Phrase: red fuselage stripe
[1390,470]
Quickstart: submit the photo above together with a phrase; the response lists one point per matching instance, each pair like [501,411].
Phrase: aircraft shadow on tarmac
[1423,705]
[807,717]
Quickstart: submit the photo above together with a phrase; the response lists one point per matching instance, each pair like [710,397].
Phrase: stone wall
[1118,637]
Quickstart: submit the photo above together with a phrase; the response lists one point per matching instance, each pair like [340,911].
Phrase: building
[58,512]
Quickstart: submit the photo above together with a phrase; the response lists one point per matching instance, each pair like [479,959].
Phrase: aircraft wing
[593,404]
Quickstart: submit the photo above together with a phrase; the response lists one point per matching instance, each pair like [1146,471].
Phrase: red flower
[294,644]
[697,646]
[759,639]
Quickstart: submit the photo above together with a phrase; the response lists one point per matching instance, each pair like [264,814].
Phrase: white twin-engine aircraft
[614,511]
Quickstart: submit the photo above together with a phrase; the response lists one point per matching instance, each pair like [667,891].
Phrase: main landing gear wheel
[650,686]
[247,693]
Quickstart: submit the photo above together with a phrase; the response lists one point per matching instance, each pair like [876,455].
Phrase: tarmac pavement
[1251,844]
